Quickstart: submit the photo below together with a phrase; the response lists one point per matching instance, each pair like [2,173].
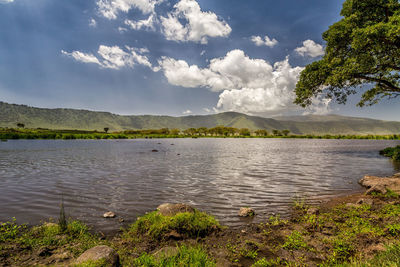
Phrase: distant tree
[106,129]
[363,48]
[276,132]
[174,131]
[20,125]
[244,132]
[285,132]
[261,132]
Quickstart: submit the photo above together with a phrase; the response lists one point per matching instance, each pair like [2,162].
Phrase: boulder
[109,214]
[246,212]
[168,209]
[100,253]
[381,184]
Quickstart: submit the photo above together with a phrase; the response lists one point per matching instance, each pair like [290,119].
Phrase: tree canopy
[363,48]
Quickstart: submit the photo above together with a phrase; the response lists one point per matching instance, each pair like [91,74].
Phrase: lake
[215,175]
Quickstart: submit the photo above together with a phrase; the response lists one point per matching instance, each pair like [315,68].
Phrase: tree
[20,125]
[106,130]
[244,132]
[276,132]
[362,49]
[285,132]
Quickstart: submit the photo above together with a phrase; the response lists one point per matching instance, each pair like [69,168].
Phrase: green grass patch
[188,224]
[295,241]
[186,256]
[391,152]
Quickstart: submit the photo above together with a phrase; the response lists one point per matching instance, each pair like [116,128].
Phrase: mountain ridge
[65,118]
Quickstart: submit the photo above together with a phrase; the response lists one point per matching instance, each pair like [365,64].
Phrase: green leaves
[361,49]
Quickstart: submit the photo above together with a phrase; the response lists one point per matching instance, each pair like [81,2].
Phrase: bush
[391,152]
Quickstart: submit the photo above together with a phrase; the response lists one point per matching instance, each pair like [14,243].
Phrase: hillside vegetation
[69,119]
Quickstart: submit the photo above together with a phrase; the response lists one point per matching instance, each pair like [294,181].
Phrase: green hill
[11,114]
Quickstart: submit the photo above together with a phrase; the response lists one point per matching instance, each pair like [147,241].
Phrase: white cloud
[82,57]
[320,106]
[122,29]
[92,23]
[187,112]
[6,1]
[259,41]
[199,27]
[207,110]
[148,24]
[248,85]
[113,57]
[111,8]
[310,49]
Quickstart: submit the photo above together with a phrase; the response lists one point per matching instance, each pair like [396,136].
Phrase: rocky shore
[352,230]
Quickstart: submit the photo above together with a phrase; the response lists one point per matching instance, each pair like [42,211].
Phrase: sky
[160,57]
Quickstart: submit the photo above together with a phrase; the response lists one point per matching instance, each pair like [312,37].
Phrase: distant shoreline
[30,134]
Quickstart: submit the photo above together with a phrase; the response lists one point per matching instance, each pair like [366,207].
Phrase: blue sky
[167,57]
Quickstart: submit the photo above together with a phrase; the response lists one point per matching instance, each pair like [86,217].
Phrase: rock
[313,211]
[166,252]
[397,175]
[109,214]
[121,220]
[351,205]
[367,201]
[44,251]
[246,212]
[381,184]
[378,189]
[168,209]
[154,150]
[100,253]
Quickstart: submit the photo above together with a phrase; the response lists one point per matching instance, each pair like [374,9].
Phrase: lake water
[215,175]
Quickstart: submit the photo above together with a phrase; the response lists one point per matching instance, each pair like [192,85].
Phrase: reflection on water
[215,175]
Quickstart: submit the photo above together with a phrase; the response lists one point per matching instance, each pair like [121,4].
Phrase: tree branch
[390,86]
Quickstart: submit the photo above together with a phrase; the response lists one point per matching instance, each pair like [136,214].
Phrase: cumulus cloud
[199,25]
[187,112]
[259,41]
[113,57]
[310,49]
[92,23]
[148,24]
[110,8]
[320,106]
[248,85]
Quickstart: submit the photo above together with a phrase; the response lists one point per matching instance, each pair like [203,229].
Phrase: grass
[295,241]
[188,224]
[185,256]
[39,133]
[391,152]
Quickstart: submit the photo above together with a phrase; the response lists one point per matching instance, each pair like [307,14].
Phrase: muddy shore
[353,229]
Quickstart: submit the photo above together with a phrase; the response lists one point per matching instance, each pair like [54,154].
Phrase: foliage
[391,152]
[295,241]
[10,230]
[363,48]
[186,256]
[189,224]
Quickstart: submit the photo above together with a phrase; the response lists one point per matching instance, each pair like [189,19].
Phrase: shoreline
[352,227]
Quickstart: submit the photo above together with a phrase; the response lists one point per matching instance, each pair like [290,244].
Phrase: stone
[100,253]
[378,189]
[109,214]
[246,212]
[174,235]
[397,175]
[166,252]
[351,205]
[313,211]
[154,150]
[168,209]
[381,184]
[367,201]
